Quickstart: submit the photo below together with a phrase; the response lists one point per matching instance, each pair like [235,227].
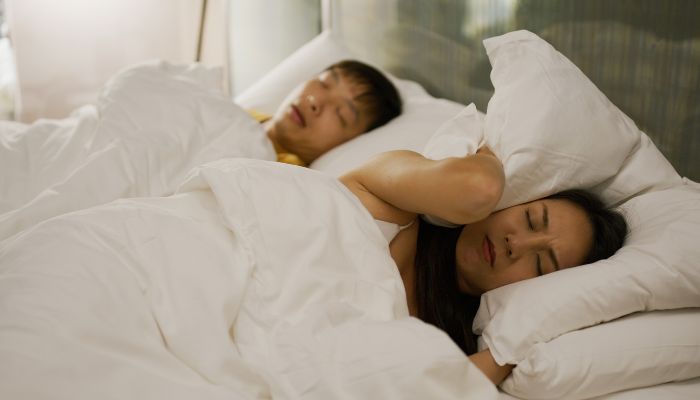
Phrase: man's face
[322,115]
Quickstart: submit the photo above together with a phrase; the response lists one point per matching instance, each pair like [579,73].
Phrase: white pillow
[543,104]
[459,136]
[554,130]
[421,116]
[656,269]
[267,94]
[409,131]
[639,350]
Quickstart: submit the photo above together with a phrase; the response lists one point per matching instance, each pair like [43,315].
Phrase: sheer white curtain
[8,81]
[263,32]
[66,50]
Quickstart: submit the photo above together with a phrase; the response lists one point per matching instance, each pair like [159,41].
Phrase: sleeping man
[154,122]
[347,99]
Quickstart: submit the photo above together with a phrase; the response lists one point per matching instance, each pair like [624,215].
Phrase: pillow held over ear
[555,130]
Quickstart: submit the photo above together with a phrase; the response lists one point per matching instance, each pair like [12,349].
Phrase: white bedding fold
[152,124]
[130,300]
[257,280]
[34,157]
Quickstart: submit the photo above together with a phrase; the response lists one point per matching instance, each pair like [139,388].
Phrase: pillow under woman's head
[555,130]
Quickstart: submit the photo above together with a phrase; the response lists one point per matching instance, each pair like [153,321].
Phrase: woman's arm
[396,185]
[485,362]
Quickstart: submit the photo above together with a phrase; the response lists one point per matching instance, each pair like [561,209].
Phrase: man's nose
[314,104]
[519,245]
[317,101]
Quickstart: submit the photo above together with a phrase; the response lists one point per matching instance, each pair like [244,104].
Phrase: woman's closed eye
[538,263]
[538,259]
[528,218]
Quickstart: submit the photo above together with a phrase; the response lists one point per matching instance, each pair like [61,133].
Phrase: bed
[644,59]
[233,287]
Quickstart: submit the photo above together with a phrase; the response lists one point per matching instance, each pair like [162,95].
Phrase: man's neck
[272,136]
[283,154]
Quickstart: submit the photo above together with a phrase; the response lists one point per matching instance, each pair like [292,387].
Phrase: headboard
[643,54]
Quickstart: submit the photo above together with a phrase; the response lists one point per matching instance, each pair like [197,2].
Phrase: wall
[264,32]
[644,55]
[66,50]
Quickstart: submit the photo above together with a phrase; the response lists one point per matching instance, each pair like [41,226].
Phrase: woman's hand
[485,362]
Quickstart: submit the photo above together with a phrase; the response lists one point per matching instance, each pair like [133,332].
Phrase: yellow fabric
[289,158]
[259,116]
[283,157]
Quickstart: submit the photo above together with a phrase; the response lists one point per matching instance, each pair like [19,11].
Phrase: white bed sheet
[258,280]
[152,123]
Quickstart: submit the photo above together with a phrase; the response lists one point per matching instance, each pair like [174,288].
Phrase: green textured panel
[643,54]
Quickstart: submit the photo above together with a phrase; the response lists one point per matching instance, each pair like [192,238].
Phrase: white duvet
[151,124]
[257,280]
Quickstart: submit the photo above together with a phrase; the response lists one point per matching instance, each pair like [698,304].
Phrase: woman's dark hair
[380,99]
[439,299]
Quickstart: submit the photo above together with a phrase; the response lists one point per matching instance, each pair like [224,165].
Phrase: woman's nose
[518,245]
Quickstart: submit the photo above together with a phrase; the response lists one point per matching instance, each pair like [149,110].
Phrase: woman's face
[521,242]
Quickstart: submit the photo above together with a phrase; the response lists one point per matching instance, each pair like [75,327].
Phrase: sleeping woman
[254,266]
[445,270]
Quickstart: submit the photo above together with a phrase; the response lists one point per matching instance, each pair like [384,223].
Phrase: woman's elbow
[486,200]
[479,202]
[492,183]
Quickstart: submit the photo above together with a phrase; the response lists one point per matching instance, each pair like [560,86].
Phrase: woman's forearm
[459,189]
[496,373]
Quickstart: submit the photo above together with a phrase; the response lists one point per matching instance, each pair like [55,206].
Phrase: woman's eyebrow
[545,222]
